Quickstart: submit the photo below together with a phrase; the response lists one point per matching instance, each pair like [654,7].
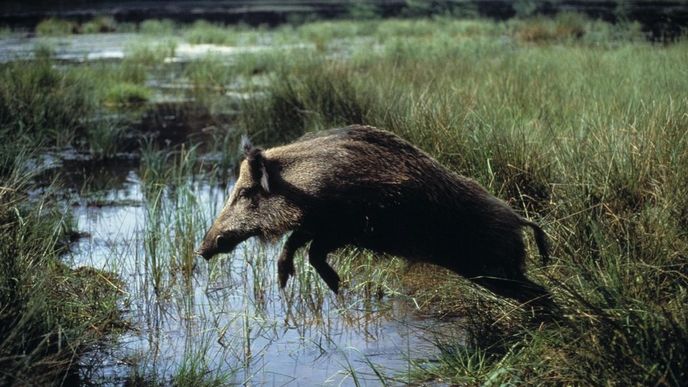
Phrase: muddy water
[228,318]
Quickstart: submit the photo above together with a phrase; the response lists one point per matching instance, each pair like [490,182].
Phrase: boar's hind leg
[317,256]
[285,262]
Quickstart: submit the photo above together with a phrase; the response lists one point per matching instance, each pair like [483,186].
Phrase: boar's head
[252,209]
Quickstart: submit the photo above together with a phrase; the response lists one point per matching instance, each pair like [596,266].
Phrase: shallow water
[115,46]
[70,48]
[229,318]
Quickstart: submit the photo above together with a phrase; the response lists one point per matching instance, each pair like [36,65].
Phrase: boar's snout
[206,250]
[214,244]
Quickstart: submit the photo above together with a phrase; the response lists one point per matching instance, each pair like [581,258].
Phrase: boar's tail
[540,240]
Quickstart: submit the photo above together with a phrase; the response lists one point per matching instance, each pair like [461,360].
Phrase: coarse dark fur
[369,188]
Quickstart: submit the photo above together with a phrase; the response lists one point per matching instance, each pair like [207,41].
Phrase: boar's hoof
[285,269]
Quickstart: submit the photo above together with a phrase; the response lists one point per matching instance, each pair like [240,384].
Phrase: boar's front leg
[317,256]
[285,262]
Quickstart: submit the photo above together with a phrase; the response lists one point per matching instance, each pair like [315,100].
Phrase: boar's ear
[245,146]
[256,165]
[256,162]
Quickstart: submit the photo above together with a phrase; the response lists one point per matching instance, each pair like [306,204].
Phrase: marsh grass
[214,75]
[60,27]
[151,53]
[203,32]
[60,106]
[576,123]
[127,94]
[40,101]
[49,314]
[104,139]
[166,273]
[212,72]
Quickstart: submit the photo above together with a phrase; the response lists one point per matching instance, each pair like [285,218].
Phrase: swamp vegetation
[578,124]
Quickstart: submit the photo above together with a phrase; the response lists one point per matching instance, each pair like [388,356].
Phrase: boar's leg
[285,262]
[317,256]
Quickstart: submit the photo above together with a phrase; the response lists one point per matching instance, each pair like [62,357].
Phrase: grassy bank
[578,124]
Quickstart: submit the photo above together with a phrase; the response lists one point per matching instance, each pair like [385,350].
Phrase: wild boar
[367,187]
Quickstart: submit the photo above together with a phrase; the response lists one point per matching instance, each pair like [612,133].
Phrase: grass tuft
[204,32]
[127,94]
[56,27]
[157,27]
[99,24]
[41,101]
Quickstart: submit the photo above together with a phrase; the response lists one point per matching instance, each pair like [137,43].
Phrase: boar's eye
[242,193]
[245,192]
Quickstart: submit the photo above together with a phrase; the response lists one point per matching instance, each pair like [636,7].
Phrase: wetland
[121,148]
